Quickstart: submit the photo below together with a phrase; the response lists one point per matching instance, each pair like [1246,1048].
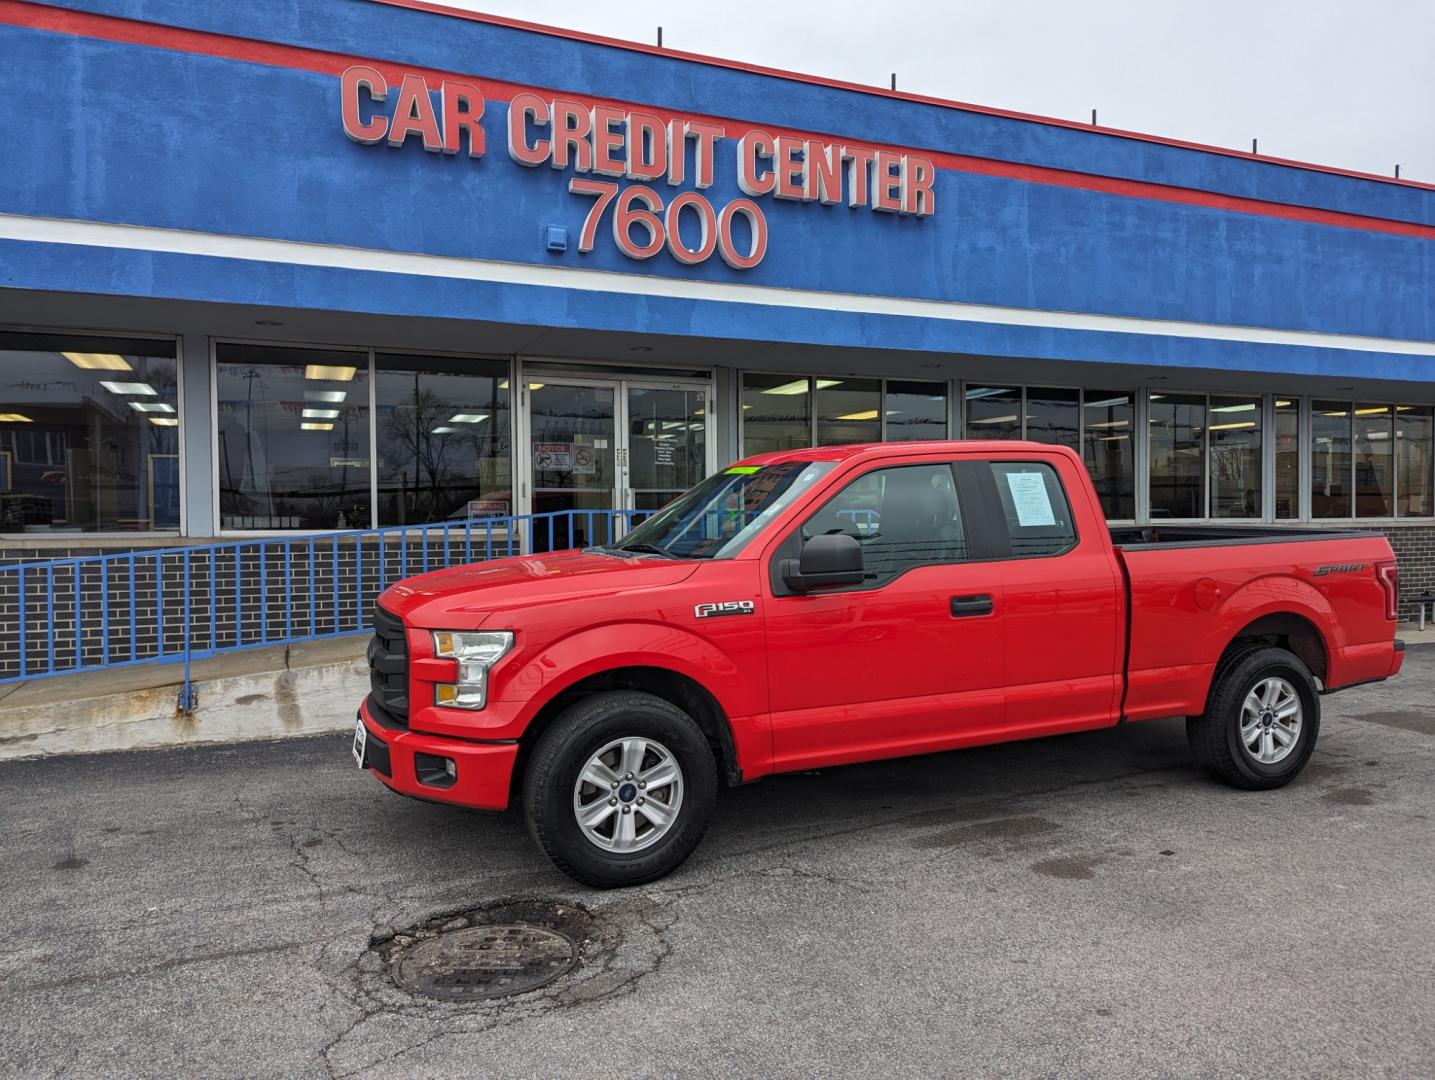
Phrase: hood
[478,590]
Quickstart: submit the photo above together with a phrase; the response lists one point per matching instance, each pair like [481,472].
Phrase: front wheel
[1261,721]
[620,788]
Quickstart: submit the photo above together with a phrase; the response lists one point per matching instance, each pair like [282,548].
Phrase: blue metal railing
[180,604]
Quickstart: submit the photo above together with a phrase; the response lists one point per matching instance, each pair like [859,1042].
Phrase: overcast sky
[1349,83]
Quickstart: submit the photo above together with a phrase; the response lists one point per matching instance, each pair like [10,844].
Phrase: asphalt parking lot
[1080,906]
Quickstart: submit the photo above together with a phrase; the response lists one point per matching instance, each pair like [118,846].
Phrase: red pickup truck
[843,604]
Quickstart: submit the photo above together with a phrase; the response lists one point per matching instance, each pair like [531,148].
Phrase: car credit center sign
[631,145]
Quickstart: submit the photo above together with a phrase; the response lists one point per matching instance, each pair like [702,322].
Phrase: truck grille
[389,665]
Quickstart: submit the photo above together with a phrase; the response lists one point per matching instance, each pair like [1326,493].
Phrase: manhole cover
[486,962]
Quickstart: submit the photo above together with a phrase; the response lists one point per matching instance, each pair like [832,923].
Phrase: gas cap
[1208,594]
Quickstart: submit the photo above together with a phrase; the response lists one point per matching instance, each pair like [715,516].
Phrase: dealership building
[278,269]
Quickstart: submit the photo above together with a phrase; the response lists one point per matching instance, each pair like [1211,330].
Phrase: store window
[1108,421]
[1374,427]
[443,428]
[1177,444]
[1053,416]
[1330,475]
[1235,457]
[849,411]
[777,412]
[89,434]
[993,412]
[916,410]
[1413,460]
[293,438]
[1287,451]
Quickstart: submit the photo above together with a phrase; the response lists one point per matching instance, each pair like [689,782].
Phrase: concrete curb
[239,708]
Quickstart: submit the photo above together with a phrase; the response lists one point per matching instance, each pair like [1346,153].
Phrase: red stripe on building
[206,43]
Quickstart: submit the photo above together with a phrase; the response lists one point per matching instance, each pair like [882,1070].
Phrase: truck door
[1064,622]
[902,662]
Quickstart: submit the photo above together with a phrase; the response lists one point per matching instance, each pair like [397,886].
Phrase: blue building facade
[277,267]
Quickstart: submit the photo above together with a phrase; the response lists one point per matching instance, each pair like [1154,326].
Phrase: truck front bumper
[437,767]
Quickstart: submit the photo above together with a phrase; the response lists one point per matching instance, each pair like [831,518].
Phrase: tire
[1252,696]
[626,845]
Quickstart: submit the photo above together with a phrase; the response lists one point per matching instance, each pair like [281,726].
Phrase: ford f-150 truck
[820,607]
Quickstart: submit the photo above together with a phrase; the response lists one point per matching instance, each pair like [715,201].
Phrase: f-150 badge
[725,607]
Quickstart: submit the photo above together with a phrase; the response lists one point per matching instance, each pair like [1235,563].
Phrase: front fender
[739,691]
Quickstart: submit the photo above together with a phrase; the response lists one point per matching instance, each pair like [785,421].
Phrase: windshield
[721,515]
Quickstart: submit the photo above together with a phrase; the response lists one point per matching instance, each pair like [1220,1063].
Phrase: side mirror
[828,561]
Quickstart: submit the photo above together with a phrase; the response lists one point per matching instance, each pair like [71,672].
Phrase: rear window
[1038,517]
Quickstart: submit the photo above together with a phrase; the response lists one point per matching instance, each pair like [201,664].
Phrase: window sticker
[743,470]
[1029,498]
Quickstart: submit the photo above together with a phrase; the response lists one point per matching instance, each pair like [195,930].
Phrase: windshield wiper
[645,549]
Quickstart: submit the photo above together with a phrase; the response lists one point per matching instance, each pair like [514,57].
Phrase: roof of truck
[897,449]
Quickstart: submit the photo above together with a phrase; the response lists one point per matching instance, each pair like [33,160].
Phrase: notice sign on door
[564,457]
[553,456]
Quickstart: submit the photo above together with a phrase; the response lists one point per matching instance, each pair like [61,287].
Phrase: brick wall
[1414,547]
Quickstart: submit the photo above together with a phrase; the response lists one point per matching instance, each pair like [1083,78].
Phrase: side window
[1038,517]
[903,517]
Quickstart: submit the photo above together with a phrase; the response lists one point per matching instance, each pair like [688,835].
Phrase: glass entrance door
[573,457]
[666,445]
[617,444]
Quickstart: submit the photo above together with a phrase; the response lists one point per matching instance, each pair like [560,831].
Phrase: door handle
[963,606]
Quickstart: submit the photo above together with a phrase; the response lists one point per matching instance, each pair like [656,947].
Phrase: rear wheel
[1261,722]
[620,788]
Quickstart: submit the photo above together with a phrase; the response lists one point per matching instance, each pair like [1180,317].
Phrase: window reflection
[1413,435]
[1052,416]
[1374,460]
[1108,419]
[993,412]
[1235,429]
[1288,443]
[89,434]
[1330,492]
[776,412]
[848,411]
[916,410]
[443,438]
[1178,455]
[293,438]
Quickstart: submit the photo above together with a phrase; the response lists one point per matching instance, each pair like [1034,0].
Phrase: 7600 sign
[639,205]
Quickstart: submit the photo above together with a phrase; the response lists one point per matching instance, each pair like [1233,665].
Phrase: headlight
[476,651]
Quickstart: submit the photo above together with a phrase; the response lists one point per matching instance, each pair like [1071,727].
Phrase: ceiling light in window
[94,361]
[133,389]
[330,397]
[1106,403]
[870,414]
[14,418]
[697,412]
[329,372]
[468,418]
[444,430]
[1282,404]
[1232,426]
[316,427]
[995,420]
[503,385]
[1110,424]
[1112,438]
[536,386]
[164,421]
[669,424]
[320,414]
[151,406]
[1379,410]
[797,386]
[1247,407]
[973,393]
